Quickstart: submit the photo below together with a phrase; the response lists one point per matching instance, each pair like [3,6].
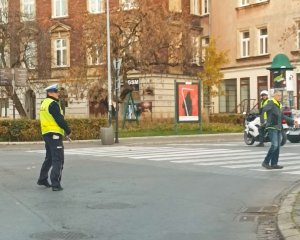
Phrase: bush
[29,130]
[227,118]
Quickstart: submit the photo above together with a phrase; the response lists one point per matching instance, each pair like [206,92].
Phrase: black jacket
[54,110]
[274,115]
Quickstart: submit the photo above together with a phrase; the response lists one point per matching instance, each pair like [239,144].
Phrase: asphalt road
[191,188]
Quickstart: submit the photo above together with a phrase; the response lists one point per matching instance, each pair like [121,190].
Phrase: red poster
[188,102]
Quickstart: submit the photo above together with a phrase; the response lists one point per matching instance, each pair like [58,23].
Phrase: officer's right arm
[54,110]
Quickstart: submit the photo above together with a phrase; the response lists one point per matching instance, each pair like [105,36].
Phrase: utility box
[107,135]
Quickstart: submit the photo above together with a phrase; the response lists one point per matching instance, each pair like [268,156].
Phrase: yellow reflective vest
[48,124]
[262,104]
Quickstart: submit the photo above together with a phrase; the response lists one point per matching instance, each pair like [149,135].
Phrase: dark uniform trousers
[54,157]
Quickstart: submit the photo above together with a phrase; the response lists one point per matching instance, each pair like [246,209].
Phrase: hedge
[82,129]
[29,130]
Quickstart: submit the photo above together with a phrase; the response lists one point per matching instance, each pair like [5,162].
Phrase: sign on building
[20,77]
[135,83]
[6,77]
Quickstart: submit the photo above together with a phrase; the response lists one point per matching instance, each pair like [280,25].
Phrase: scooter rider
[264,99]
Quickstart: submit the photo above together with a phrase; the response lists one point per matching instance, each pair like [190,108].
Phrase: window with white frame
[61,52]
[95,55]
[96,6]
[196,46]
[195,7]
[205,7]
[244,2]
[3,11]
[245,44]
[259,1]
[204,45]
[5,57]
[175,6]
[263,41]
[28,10]
[59,8]
[128,4]
[30,55]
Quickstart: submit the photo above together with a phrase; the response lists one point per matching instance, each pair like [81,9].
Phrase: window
[245,44]
[195,7]
[245,2]
[59,8]
[205,7]
[95,55]
[263,41]
[28,10]
[61,52]
[245,95]
[128,4]
[262,84]
[196,50]
[5,57]
[227,97]
[96,6]
[204,45]
[3,11]
[175,6]
[30,55]
[4,106]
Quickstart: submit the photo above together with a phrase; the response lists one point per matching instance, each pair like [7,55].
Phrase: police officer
[54,128]
[264,98]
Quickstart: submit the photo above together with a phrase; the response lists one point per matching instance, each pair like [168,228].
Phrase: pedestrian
[264,98]
[273,125]
[54,128]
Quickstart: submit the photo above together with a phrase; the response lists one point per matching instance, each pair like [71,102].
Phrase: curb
[130,138]
[285,221]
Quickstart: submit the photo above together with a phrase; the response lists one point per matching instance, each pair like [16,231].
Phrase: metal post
[13,98]
[108,65]
[117,85]
[117,65]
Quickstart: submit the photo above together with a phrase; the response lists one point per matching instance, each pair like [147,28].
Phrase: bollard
[107,135]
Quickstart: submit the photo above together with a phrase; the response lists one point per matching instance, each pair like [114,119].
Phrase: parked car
[293,135]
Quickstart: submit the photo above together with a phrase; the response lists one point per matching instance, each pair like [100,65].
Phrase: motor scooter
[251,132]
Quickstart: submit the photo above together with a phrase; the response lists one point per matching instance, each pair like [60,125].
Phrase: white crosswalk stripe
[198,157]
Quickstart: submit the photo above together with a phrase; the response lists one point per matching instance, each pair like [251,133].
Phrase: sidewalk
[288,218]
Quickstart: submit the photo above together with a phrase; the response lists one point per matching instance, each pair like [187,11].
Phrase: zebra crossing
[199,157]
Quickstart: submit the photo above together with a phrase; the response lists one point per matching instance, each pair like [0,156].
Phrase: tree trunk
[18,105]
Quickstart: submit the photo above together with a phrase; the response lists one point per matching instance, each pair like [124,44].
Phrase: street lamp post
[108,65]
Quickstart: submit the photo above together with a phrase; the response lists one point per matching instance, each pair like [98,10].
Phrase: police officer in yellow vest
[264,98]
[54,128]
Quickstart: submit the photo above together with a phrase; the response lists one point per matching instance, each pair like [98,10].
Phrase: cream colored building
[254,32]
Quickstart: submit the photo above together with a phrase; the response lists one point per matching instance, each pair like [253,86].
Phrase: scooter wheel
[249,140]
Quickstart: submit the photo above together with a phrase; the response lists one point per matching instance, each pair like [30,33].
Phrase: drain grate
[56,235]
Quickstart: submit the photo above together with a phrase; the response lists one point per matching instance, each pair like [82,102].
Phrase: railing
[246,105]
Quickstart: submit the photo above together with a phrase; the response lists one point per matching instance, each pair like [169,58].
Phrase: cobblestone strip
[286,221]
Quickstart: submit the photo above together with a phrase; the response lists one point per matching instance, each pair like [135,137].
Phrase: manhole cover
[54,235]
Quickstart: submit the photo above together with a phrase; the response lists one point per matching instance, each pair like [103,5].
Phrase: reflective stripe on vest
[48,124]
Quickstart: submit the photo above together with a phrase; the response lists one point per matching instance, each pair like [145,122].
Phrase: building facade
[254,32]
[46,37]
[51,48]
